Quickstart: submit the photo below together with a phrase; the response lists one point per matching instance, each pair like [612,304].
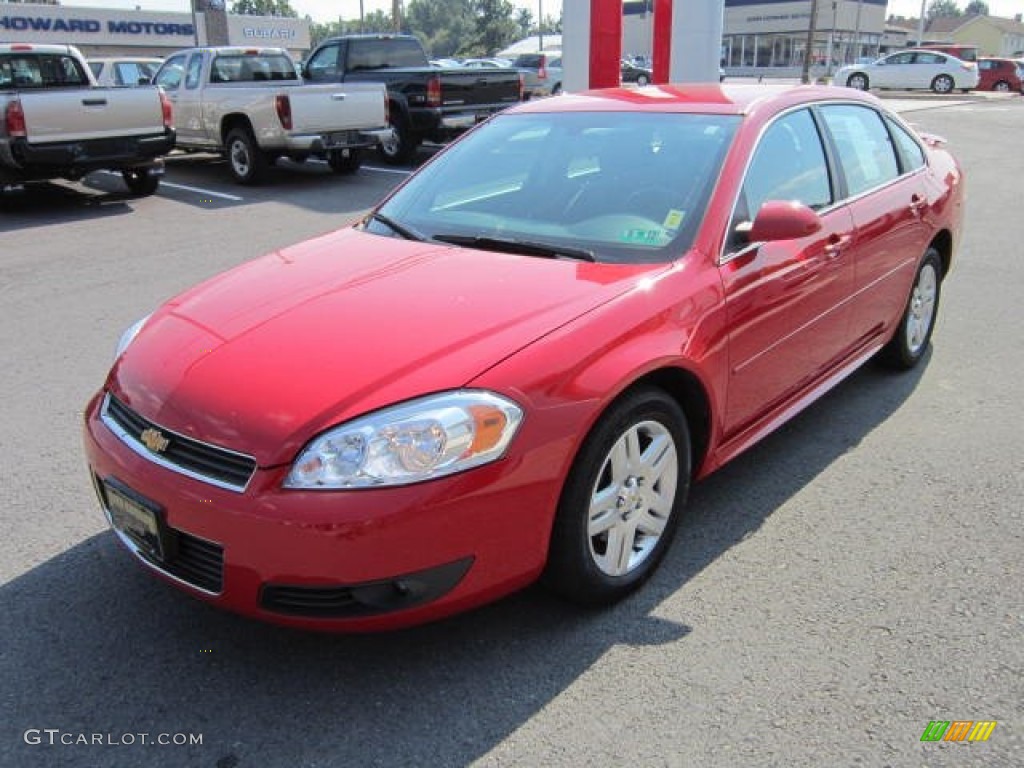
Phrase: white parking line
[201,191]
[400,171]
[197,190]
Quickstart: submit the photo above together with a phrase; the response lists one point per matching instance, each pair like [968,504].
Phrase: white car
[127,70]
[911,70]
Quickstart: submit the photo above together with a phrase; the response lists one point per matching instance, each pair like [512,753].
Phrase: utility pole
[805,76]
[540,25]
[920,25]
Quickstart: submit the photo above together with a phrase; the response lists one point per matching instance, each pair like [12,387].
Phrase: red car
[1000,74]
[514,367]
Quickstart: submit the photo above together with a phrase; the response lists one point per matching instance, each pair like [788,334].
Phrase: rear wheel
[345,160]
[943,84]
[641,80]
[400,147]
[246,161]
[857,80]
[1002,85]
[909,343]
[622,501]
[141,181]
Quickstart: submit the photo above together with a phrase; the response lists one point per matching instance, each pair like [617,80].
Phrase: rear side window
[41,71]
[910,152]
[866,153]
[242,68]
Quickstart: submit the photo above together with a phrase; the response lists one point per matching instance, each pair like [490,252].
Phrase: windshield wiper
[525,247]
[399,229]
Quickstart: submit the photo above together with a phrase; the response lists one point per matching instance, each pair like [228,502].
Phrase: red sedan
[514,367]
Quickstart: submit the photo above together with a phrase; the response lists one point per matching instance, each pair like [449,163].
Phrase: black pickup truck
[425,102]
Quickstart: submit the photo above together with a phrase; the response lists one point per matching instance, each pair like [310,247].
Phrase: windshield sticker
[673,220]
[653,237]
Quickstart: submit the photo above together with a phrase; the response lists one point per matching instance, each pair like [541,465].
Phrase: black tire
[556,89]
[141,181]
[345,161]
[859,81]
[641,80]
[914,332]
[400,149]
[599,556]
[943,84]
[1001,86]
[245,160]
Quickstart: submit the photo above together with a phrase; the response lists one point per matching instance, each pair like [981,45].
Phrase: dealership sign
[21,23]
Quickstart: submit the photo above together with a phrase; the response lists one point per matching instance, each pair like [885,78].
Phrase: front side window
[789,164]
[627,187]
[866,153]
[171,73]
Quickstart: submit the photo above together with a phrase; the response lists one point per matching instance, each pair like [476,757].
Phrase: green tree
[443,26]
[264,8]
[495,26]
[976,8]
[942,9]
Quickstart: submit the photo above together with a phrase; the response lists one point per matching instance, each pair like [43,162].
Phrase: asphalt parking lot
[852,578]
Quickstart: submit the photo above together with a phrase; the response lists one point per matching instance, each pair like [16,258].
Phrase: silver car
[911,70]
[542,73]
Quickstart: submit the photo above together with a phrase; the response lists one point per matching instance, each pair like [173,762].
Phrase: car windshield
[614,186]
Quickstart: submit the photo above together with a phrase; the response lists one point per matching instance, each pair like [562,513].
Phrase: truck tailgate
[337,107]
[471,87]
[98,113]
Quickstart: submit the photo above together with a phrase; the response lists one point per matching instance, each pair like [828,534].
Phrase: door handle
[917,204]
[94,102]
[835,245]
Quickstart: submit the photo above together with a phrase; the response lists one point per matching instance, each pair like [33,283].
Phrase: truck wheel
[246,161]
[399,149]
[140,181]
[345,161]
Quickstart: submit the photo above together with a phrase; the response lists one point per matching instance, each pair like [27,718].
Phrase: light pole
[805,76]
[540,25]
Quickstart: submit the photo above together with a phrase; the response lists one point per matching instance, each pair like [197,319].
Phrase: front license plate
[135,517]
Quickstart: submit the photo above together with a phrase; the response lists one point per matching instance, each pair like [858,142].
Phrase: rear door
[787,301]
[883,169]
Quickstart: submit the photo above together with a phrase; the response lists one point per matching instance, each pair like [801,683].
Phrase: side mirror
[783,220]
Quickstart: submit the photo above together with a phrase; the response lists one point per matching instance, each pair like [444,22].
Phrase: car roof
[702,98]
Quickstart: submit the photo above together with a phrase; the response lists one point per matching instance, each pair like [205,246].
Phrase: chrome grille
[202,461]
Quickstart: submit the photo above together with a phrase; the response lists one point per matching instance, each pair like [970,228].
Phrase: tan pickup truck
[55,122]
[252,105]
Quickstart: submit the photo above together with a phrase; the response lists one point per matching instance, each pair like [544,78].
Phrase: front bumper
[337,560]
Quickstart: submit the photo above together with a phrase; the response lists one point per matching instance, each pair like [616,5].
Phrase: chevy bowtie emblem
[154,440]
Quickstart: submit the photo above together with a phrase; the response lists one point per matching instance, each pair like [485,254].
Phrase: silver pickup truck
[55,122]
[252,105]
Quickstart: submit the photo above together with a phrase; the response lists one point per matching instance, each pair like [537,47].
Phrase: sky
[328,10]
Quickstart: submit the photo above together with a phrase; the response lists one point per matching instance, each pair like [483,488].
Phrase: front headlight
[128,336]
[420,440]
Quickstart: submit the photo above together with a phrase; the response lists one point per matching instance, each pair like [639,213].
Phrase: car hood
[263,357]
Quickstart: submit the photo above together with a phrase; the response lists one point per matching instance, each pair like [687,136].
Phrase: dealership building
[770,36]
[106,32]
[759,36]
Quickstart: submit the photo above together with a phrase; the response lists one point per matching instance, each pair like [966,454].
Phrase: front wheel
[141,181]
[246,161]
[622,500]
[641,80]
[345,161]
[908,344]
[943,84]
[857,80]
[1002,85]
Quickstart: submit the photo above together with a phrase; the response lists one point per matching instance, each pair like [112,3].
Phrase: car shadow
[91,644]
[42,204]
